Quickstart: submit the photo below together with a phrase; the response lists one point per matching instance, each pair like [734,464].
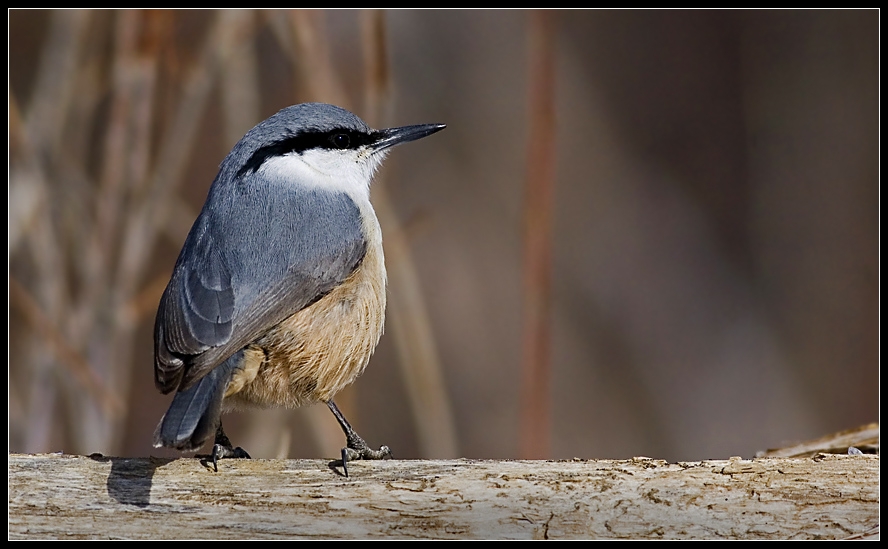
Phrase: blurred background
[642,232]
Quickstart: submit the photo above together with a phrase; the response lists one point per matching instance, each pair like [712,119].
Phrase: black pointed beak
[395,136]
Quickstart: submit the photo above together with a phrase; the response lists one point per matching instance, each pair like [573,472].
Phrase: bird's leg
[355,447]
[222,448]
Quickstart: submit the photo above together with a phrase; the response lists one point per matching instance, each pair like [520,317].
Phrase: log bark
[55,496]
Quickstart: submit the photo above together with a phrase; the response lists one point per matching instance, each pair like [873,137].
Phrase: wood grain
[55,496]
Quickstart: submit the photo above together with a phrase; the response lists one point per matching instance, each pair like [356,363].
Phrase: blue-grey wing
[255,256]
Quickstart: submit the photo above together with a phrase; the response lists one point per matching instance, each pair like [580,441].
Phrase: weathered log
[56,496]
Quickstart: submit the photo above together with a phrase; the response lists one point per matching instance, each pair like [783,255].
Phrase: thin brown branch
[539,197]
[377,72]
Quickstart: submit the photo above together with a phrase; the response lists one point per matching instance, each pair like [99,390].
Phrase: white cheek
[346,171]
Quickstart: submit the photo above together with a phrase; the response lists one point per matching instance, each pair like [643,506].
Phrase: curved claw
[223,452]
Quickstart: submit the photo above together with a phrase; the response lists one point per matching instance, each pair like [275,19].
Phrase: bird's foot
[355,447]
[223,449]
[358,449]
[226,452]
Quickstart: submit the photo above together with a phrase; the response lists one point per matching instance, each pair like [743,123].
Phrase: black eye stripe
[341,139]
[337,139]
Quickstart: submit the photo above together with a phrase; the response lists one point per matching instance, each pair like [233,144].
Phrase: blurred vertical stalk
[539,191]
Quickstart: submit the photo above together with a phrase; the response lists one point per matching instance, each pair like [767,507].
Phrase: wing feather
[252,259]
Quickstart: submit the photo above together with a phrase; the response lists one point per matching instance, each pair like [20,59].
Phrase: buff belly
[318,351]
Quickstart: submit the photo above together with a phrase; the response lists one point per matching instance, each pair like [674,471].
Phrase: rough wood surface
[56,496]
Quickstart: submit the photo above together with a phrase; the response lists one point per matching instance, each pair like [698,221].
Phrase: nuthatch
[278,295]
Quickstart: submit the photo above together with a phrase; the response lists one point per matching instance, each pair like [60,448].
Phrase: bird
[277,298]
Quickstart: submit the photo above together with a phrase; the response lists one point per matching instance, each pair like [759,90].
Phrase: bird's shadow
[130,479]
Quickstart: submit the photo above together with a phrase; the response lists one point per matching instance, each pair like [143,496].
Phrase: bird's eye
[340,140]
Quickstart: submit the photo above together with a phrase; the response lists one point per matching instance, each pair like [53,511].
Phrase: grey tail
[195,413]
